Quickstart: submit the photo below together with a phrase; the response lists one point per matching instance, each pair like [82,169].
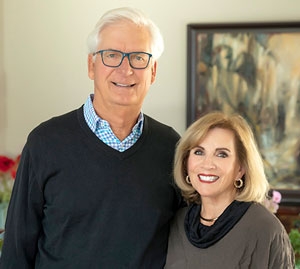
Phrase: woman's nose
[208,163]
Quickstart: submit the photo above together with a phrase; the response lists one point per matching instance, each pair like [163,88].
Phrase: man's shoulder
[59,126]
[64,120]
[159,127]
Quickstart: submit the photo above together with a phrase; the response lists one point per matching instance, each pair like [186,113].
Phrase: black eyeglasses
[114,58]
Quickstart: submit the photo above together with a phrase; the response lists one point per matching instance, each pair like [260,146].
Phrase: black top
[77,203]
[203,236]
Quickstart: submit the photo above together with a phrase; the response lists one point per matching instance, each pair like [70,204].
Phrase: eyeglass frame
[124,54]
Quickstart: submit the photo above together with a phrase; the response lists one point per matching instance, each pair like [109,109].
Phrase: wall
[2,97]
[44,55]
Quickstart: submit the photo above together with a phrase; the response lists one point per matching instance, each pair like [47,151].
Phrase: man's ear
[153,70]
[91,67]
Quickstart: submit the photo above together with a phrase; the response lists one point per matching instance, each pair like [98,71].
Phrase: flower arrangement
[8,170]
[295,241]
[272,202]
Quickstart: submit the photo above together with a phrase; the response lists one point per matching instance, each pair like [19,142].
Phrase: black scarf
[203,236]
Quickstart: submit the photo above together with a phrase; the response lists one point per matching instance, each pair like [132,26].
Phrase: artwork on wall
[252,69]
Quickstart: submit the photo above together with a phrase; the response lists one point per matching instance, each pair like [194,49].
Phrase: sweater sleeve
[23,223]
[281,252]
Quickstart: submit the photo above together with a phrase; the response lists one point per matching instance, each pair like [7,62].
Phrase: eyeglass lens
[114,58]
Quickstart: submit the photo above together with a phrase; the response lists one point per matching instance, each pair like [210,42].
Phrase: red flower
[6,164]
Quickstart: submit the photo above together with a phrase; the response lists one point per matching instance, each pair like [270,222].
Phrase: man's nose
[125,64]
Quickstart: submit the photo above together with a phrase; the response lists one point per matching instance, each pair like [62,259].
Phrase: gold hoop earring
[187,179]
[239,183]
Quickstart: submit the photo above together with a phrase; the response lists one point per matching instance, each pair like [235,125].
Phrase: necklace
[209,220]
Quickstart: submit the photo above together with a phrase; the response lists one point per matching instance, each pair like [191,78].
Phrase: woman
[221,176]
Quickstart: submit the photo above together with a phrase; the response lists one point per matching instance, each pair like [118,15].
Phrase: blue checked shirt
[102,130]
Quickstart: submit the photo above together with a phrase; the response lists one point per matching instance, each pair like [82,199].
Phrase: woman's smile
[207,178]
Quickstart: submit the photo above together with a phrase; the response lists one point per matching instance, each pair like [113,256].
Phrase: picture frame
[252,69]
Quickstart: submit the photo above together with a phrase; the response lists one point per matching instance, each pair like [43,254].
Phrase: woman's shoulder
[178,219]
[180,214]
[259,216]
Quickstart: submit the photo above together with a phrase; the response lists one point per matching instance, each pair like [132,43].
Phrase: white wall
[2,99]
[43,55]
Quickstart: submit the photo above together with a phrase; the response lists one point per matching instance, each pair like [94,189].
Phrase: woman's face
[213,165]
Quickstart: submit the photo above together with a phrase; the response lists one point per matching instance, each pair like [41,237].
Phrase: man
[94,186]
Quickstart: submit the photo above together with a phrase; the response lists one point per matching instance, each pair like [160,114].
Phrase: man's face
[123,85]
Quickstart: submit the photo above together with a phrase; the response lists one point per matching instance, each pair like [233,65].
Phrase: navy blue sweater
[77,203]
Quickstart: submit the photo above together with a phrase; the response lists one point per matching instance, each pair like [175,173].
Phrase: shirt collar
[95,122]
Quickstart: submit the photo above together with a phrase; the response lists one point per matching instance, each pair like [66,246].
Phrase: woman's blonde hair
[256,185]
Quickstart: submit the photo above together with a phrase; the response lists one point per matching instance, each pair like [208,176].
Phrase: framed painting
[252,69]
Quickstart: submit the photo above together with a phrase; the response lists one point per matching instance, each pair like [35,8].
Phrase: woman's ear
[241,172]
